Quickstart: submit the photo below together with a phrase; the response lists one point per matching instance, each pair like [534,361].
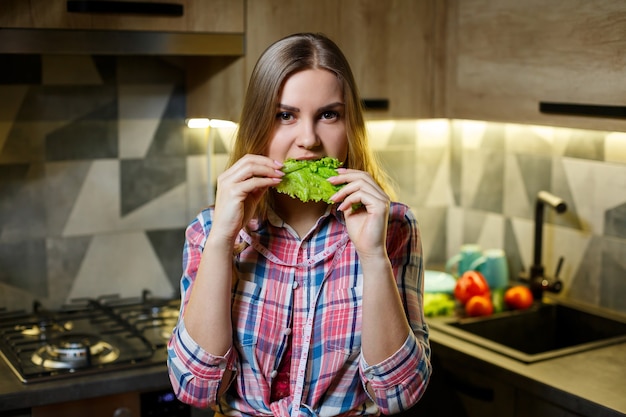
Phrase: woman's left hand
[367,222]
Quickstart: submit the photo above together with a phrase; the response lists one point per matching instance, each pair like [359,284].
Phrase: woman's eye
[284,116]
[330,114]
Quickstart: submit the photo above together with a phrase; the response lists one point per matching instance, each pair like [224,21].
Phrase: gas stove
[87,336]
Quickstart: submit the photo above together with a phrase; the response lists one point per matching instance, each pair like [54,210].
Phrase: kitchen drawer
[122,405]
[459,389]
[529,405]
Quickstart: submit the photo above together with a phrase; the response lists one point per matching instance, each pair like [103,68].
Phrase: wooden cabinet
[505,56]
[223,16]
[463,385]
[113,405]
[215,87]
[392,46]
[478,392]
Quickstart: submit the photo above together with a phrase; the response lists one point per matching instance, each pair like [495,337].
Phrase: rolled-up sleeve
[400,380]
[195,374]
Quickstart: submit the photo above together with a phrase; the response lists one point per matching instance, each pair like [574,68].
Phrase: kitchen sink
[544,331]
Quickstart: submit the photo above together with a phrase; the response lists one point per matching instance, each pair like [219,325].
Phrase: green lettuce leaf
[306,180]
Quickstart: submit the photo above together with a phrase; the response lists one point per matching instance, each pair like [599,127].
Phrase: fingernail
[279,164]
[279,172]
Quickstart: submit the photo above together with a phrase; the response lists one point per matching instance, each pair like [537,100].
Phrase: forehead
[313,81]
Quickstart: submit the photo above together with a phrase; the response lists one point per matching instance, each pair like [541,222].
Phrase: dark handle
[125,7]
[575,109]
[556,285]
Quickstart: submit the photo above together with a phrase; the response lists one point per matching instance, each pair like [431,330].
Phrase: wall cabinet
[505,56]
[223,16]
[392,46]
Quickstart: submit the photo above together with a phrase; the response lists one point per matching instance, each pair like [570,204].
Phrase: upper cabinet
[391,45]
[223,16]
[507,56]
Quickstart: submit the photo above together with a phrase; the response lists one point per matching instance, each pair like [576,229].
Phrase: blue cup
[462,261]
[494,267]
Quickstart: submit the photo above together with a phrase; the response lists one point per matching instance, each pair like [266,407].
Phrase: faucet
[538,282]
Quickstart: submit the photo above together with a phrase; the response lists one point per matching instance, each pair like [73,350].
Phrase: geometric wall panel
[141,108]
[165,244]
[112,264]
[143,180]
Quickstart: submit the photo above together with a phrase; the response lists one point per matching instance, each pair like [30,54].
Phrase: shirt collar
[275,220]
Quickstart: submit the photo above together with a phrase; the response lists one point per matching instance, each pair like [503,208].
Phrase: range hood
[53,39]
[116,42]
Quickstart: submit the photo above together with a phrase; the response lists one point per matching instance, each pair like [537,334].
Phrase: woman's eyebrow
[287,107]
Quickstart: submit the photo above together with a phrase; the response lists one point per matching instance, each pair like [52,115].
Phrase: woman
[293,308]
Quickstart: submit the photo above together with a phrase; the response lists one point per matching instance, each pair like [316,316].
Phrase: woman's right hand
[239,190]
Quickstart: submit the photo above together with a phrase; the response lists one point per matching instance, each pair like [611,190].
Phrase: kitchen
[98,170]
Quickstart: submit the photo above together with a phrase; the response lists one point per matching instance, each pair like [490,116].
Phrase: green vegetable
[307,180]
[438,304]
[497,297]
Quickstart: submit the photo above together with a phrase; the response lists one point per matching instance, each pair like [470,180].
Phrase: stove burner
[72,351]
[155,321]
[87,336]
[44,328]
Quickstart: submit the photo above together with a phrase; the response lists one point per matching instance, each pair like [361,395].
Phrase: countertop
[15,395]
[590,382]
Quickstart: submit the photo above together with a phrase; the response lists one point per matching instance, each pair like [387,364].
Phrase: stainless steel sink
[546,330]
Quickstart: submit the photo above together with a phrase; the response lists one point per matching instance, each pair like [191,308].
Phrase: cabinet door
[480,393]
[529,405]
[391,45]
[223,16]
[120,404]
[505,56]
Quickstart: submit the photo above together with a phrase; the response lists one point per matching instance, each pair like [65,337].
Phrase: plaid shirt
[311,290]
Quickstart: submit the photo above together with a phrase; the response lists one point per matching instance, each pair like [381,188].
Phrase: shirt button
[287,331]
[274,373]
[295,285]
[222,365]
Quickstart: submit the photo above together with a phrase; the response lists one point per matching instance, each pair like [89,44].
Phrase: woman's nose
[307,135]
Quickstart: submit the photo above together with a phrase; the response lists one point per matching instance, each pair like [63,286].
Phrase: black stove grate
[137,328]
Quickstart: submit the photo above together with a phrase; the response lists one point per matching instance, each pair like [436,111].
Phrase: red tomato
[479,305]
[470,284]
[518,297]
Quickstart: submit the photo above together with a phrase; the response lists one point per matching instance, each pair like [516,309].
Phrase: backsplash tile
[93,164]
[99,178]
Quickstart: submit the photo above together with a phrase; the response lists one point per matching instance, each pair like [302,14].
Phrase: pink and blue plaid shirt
[308,289]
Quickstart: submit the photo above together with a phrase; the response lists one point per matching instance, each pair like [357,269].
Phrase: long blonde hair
[283,58]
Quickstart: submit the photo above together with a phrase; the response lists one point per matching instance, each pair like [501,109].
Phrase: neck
[299,215]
